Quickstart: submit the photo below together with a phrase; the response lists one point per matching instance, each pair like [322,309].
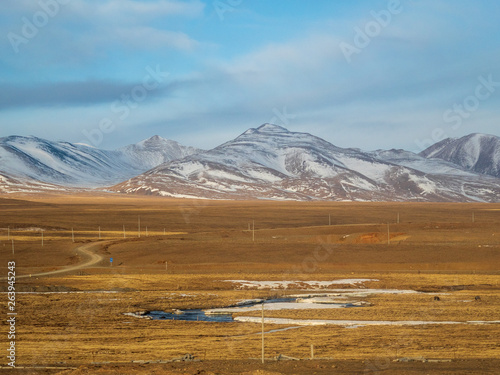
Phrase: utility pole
[253,230]
[42,238]
[329,219]
[124,233]
[262,332]
[99,232]
[139,227]
[72,235]
[388,235]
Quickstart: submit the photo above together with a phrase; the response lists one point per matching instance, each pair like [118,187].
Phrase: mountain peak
[480,136]
[475,152]
[268,162]
[272,128]
[154,139]
[267,128]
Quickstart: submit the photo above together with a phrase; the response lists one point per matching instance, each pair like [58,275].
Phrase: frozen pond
[323,296]
[194,315]
[224,314]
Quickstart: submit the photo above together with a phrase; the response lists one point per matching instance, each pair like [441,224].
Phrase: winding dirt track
[87,251]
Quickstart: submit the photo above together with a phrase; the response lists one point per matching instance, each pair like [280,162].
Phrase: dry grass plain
[75,319]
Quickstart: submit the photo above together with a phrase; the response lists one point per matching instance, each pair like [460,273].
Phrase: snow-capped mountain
[10,185]
[75,165]
[479,153]
[422,164]
[154,151]
[271,162]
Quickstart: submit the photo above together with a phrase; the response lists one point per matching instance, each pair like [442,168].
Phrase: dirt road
[87,251]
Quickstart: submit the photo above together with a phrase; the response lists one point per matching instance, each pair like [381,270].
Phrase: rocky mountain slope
[75,165]
[268,162]
[271,162]
[479,153]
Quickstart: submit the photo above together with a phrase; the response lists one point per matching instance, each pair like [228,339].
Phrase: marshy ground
[73,318]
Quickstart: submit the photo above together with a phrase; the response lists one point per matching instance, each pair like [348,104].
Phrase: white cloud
[138,38]
[398,87]
[308,53]
[128,23]
[86,30]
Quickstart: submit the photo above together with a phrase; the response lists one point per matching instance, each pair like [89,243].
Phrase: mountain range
[33,160]
[269,162]
[476,152]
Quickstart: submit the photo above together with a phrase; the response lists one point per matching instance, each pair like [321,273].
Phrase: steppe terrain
[71,299]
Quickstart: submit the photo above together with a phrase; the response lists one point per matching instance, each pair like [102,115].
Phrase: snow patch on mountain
[479,153]
[154,151]
[271,162]
[268,162]
[77,165]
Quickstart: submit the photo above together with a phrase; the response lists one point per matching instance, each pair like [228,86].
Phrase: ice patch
[277,306]
[352,323]
[296,284]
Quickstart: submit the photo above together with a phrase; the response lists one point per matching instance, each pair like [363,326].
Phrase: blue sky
[368,74]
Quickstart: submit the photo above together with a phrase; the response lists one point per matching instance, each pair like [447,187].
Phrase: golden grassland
[86,323]
[192,247]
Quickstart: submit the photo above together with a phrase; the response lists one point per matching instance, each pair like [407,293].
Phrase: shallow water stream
[190,315]
[224,314]
[332,299]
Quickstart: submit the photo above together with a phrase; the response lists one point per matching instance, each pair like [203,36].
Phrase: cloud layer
[409,65]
